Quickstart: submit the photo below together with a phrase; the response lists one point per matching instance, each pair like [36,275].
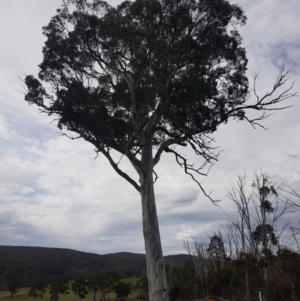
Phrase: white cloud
[183,197]
[5,132]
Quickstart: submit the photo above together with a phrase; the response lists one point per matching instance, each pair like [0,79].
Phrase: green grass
[133,281]
[21,295]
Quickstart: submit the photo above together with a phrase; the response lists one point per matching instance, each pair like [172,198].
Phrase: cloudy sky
[54,193]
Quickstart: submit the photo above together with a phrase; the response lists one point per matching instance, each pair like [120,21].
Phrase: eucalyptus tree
[80,287]
[37,288]
[13,277]
[94,283]
[58,286]
[143,78]
[123,290]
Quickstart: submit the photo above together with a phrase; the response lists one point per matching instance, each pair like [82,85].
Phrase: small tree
[103,283]
[110,280]
[216,248]
[58,286]
[37,289]
[122,289]
[94,283]
[139,80]
[13,278]
[217,256]
[80,287]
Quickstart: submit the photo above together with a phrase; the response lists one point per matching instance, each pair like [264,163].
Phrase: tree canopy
[13,278]
[175,66]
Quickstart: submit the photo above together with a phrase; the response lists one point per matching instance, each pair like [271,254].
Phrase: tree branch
[118,170]
[182,162]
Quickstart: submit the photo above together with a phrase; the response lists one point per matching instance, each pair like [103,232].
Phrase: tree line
[95,283]
[213,273]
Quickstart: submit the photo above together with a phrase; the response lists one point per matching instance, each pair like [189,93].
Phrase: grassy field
[133,281]
[22,295]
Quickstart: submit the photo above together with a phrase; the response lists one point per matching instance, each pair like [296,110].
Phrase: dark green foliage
[122,289]
[80,286]
[102,282]
[245,263]
[216,248]
[267,206]
[58,286]
[283,281]
[183,284]
[266,230]
[37,288]
[47,263]
[111,279]
[141,287]
[113,68]
[167,35]
[279,287]
[13,277]
[176,66]
[175,293]
[94,283]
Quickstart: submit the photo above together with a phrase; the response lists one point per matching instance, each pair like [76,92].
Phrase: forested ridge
[51,262]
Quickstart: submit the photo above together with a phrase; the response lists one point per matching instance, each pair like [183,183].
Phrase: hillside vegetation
[52,262]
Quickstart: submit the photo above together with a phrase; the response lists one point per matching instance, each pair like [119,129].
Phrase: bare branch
[182,162]
[165,146]
[69,136]
[119,171]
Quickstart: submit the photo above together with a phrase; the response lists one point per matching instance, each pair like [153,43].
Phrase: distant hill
[49,262]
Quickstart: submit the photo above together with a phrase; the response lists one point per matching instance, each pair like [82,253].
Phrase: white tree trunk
[158,287]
